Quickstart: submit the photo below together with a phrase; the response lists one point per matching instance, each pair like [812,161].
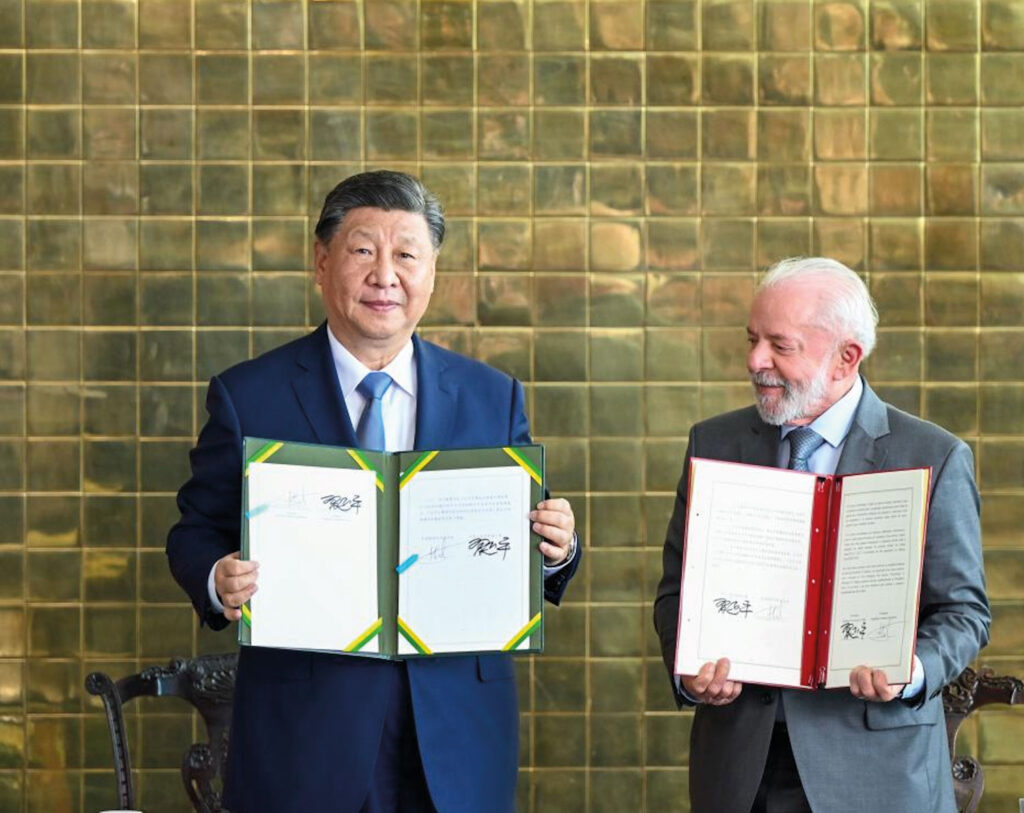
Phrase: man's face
[376,275]
[792,361]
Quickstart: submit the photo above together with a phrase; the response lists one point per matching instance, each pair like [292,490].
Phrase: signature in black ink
[435,553]
[335,502]
[884,631]
[852,631]
[726,606]
[485,546]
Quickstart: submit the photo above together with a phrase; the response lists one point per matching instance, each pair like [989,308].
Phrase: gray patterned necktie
[370,434]
[803,442]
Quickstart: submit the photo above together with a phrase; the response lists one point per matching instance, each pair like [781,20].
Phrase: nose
[384,274]
[758,358]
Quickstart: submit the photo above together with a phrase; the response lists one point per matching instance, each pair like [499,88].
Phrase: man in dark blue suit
[316,732]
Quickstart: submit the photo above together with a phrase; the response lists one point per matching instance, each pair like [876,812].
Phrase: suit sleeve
[666,602]
[210,503]
[519,435]
[954,617]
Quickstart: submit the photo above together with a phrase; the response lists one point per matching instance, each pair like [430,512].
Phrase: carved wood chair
[967,693]
[208,683]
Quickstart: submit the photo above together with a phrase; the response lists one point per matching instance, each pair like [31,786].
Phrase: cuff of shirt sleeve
[215,601]
[912,689]
[550,569]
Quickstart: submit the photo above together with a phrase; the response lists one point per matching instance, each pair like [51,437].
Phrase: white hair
[847,308]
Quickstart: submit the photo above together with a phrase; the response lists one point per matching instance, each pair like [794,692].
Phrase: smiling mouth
[380,305]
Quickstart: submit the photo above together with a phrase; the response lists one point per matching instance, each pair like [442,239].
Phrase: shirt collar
[834,423]
[351,370]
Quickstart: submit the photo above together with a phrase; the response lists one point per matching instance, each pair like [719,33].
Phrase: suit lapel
[316,386]
[435,398]
[760,446]
[867,444]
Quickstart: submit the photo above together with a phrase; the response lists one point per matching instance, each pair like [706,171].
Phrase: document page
[878,568]
[464,559]
[745,571]
[313,531]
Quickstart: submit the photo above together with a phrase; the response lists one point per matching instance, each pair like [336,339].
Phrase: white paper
[745,571]
[881,533]
[313,531]
[469,586]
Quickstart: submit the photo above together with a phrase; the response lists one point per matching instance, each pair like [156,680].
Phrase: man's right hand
[235,582]
[711,684]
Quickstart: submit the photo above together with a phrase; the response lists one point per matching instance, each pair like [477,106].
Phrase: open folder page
[745,571]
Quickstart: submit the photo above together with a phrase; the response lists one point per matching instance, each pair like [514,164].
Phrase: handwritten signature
[485,546]
[726,606]
[852,631]
[335,502]
[855,631]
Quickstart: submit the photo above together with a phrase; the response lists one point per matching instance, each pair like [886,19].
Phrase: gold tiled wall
[615,173]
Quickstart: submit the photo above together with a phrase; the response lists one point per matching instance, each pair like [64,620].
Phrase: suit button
[767,698]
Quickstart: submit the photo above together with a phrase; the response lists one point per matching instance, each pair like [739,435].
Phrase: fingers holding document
[235,582]
[872,684]
[554,520]
[711,684]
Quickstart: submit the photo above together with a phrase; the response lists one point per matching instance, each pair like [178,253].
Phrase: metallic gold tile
[559,80]
[1002,189]
[673,245]
[896,189]
[278,135]
[671,411]
[166,134]
[616,80]
[446,24]
[222,245]
[12,242]
[334,25]
[728,25]
[897,356]
[723,355]
[53,631]
[671,25]
[505,135]
[560,300]
[615,465]
[391,78]
[454,300]
[504,299]
[1000,464]
[12,20]
[898,297]
[164,24]
[559,245]
[672,134]
[954,407]
[951,300]
[223,189]
[559,25]
[1002,519]
[53,133]
[391,25]
[951,355]
[12,454]
[12,360]
[165,189]
[671,189]
[840,26]
[951,244]
[1000,354]
[504,245]
[166,355]
[896,134]
[163,463]
[53,189]
[279,245]
[277,25]
[726,299]
[509,351]
[224,79]
[895,245]
[784,26]
[617,300]
[110,188]
[842,238]
[1001,22]
[783,189]
[391,134]
[729,135]
[12,294]
[165,245]
[1001,79]
[222,299]
[335,134]
[278,79]
[560,355]
[951,189]
[55,742]
[1001,242]
[896,78]
[503,79]
[109,576]
[164,631]
[951,25]
[109,409]
[51,24]
[616,189]
[278,299]
[502,25]
[951,135]
[1001,131]
[728,79]
[334,78]
[617,25]
[223,134]
[53,299]
[166,78]
[784,80]
[459,246]
[673,79]
[12,410]
[574,751]
[109,299]
[448,79]
[52,78]
[557,135]
[109,24]
[559,189]
[616,355]
[782,237]
[110,632]
[840,189]
[1002,300]
[53,245]
[109,78]
[53,686]
[952,79]
[896,25]
[109,133]
[616,576]
[616,245]
[560,410]
[12,67]
[1002,410]
[109,355]
[12,134]
[728,189]
[840,79]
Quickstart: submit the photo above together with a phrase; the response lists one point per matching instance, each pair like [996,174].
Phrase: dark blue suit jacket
[306,726]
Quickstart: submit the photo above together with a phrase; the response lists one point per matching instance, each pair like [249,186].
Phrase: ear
[320,254]
[848,359]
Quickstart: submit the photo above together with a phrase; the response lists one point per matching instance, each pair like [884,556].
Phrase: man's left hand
[554,521]
[872,684]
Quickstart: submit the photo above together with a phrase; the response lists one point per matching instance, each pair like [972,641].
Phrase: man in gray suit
[874,746]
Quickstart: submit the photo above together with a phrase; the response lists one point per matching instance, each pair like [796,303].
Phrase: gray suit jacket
[852,755]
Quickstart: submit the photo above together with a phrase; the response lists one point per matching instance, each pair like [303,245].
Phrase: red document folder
[798,577]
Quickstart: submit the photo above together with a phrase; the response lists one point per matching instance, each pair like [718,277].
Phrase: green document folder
[392,554]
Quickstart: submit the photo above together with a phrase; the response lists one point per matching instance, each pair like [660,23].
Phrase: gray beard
[795,403]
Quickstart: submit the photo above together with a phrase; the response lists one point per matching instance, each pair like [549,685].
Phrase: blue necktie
[370,434]
[803,442]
